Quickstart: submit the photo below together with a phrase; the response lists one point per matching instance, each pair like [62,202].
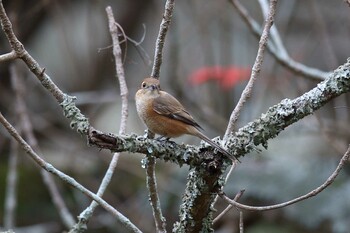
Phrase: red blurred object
[227,77]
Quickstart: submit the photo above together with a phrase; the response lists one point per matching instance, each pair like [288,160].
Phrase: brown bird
[165,115]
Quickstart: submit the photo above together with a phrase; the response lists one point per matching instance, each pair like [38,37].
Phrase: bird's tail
[218,147]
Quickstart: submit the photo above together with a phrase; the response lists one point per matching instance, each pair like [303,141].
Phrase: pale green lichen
[72,112]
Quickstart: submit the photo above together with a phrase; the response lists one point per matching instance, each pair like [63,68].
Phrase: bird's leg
[148,134]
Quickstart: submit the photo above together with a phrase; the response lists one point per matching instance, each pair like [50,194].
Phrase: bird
[164,115]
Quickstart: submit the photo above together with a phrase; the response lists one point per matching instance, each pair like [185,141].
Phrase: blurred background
[207,59]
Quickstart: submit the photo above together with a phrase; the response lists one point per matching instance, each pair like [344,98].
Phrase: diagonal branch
[280,55]
[247,138]
[255,70]
[27,129]
[88,212]
[70,110]
[48,167]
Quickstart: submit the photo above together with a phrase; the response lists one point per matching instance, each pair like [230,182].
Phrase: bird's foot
[163,138]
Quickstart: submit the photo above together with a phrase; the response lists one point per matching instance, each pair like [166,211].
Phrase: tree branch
[255,70]
[117,52]
[27,130]
[70,111]
[247,138]
[229,207]
[159,219]
[8,56]
[67,179]
[281,56]
[312,193]
[164,26]
[153,195]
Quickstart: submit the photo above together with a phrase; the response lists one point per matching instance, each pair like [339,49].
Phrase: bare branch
[117,52]
[48,167]
[164,26]
[8,56]
[67,102]
[287,61]
[153,194]
[255,70]
[159,219]
[247,138]
[27,129]
[237,197]
[313,193]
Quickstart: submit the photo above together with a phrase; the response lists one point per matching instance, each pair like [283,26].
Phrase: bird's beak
[153,87]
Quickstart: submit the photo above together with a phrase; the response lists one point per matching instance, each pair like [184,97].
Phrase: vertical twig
[164,26]
[27,129]
[11,187]
[117,52]
[241,222]
[255,70]
[153,194]
[159,219]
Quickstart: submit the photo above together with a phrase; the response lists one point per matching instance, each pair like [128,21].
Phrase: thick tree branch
[247,138]
[287,112]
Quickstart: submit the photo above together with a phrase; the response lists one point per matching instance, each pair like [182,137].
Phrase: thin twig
[274,34]
[117,52]
[283,58]
[27,128]
[312,193]
[78,120]
[159,219]
[153,195]
[232,168]
[68,179]
[164,26]
[241,222]
[21,53]
[255,70]
[8,56]
[238,195]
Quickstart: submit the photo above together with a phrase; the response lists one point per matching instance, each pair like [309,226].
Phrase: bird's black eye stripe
[143,85]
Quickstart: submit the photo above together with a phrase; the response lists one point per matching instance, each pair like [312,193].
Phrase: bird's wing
[167,105]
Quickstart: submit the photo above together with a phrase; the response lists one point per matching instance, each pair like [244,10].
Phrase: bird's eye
[143,85]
